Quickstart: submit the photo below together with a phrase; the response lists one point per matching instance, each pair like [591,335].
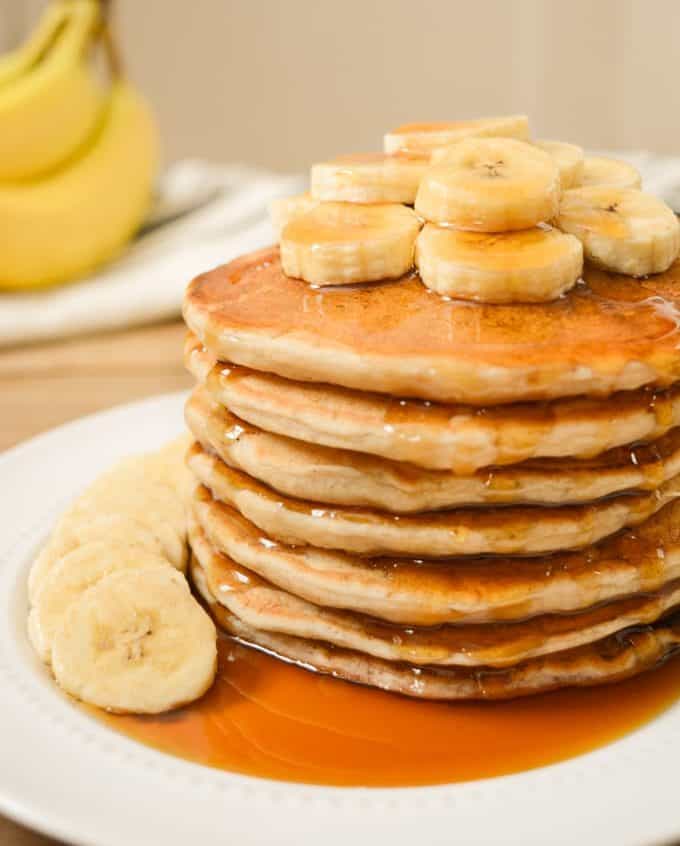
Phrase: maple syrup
[270,719]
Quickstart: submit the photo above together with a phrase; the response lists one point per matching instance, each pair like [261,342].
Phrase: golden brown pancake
[438,437]
[614,658]
[264,606]
[462,531]
[460,590]
[609,333]
[341,477]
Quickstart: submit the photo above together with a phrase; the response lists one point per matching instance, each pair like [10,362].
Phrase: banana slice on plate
[285,209]
[144,487]
[136,642]
[598,170]
[74,531]
[426,137]
[490,185]
[167,482]
[71,576]
[621,229]
[344,243]
[167,466]
[569,160]
[369,178]
[533,265]
[156,507]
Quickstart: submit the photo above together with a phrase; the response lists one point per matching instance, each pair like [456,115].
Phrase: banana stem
[110,46]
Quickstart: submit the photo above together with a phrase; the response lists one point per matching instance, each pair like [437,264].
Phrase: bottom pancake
[263,606]
[614,658]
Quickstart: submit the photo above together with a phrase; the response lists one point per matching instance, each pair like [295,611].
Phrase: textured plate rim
[73,778]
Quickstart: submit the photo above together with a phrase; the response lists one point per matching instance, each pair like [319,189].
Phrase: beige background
[284,83]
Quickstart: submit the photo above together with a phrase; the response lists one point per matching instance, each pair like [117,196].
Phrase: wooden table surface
[46,385]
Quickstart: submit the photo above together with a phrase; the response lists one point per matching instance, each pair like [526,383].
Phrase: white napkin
[146,283]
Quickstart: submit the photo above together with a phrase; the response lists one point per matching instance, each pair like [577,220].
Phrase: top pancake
[609,333]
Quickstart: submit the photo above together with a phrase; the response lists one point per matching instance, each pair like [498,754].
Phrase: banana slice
[343,243]
[71,576]
[167,466]
[621,229]
[158,525]
[426,137]
[285,209]
[136,642]
[490,185]
[142,487]
[369,178]
[154,506]
[598,170]
[569,160]
[533,265]
[74,531]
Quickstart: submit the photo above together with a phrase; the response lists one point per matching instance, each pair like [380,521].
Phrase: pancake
[462,531]
[438,437]
[615,658]
[609,333]
[341,477]
[464,590]
[261,605]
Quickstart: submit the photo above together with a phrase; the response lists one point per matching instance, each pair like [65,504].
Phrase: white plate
[68,775]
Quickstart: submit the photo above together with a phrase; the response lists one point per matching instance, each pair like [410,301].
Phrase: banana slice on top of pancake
[490,185]
[136,642]
[426,137]
[532,265]
[621,229]
[598,170]
[346,243]
[369,178]
[569,160]
[285,209]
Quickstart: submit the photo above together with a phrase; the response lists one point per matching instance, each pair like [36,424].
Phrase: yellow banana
[62,226]
[20,61]
[50,99]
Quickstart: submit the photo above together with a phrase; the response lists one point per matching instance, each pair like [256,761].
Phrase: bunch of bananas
[78,154]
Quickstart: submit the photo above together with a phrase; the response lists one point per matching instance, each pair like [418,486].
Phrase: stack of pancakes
[436,497]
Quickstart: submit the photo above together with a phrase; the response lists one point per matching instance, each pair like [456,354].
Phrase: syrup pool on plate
[267,718]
